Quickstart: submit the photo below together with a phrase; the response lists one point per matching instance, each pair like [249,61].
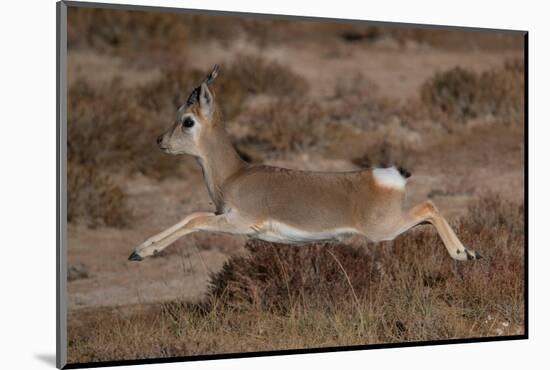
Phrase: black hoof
[135,257]
[473,255]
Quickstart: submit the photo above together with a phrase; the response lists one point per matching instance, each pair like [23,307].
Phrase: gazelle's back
[302,199]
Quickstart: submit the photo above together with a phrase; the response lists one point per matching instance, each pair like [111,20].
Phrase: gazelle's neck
[219,163]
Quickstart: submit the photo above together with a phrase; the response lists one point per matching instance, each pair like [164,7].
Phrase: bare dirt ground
[452,172]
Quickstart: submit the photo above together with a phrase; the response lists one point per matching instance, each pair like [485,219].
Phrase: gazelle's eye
[188,122]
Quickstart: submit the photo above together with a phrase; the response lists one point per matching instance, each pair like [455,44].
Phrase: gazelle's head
[197,121]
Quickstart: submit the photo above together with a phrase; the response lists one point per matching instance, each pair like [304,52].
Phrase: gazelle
[283,205]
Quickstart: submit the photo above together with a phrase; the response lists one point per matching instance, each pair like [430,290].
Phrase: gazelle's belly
[278,232]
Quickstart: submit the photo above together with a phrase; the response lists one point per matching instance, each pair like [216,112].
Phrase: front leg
[152,244]
[206,221]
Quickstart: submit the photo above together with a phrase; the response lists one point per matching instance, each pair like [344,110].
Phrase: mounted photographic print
[234,184]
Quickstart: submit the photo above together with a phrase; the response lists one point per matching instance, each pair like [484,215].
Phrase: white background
[27,170]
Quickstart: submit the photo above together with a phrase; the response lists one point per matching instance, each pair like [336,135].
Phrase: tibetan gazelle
[284,205]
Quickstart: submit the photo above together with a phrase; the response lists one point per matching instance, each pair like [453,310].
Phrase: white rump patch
[389,177]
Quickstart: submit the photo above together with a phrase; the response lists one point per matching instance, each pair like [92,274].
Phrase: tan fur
[279,204]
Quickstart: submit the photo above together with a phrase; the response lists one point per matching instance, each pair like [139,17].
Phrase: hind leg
[426,212]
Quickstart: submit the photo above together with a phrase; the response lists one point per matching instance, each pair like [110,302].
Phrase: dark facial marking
[192,99]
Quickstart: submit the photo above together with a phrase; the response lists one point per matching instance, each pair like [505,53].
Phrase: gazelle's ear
[206,100]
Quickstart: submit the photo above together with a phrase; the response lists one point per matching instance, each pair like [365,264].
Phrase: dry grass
[94,198]
[124,30]
[258,75]
[129,32]
[455,39]
[246,75]
[414,37]
[459,94]
[171,91]
[108,128]
[357,101]
[280,297]
[282,127]
[502,91]
[452,93]
[286,125]
[110,133]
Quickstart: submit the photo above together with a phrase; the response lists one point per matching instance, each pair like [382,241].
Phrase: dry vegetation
[259,76]
[245,76]
[109,129]
[356,101]
[109,134]
[282,127]
[284,297]
[460,95]
[94,198]
[129,32]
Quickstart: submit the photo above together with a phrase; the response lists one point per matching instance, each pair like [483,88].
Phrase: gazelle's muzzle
[161,142]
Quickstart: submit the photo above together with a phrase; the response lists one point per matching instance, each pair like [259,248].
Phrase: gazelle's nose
[159,139]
